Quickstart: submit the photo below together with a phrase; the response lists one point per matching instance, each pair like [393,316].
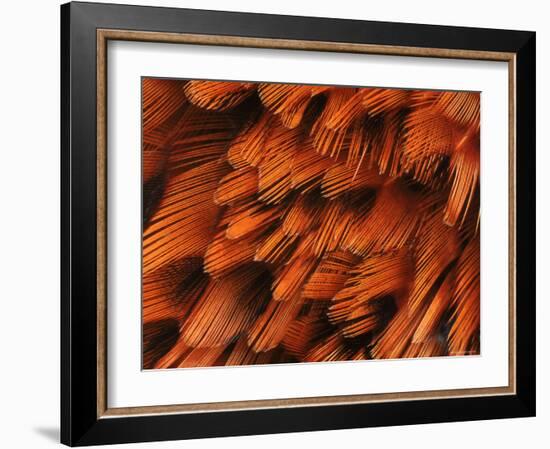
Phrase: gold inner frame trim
[103,36]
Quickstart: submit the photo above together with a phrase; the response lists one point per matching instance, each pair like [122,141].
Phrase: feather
[270,327]
[227,308]
[182,356]
[302,333]
[428,138]
[225,255]
[275,168]
[391,223]
[330,276]
[153,162]
[176,232]
[332,349]
[217,95]
[161,100]
[237,185]
[460,107]
[158,338]
[395,339]
[243,354]
[340,179]
[428,326]
[308,168]
[326,140]
[435,252]
[464,332]
[252,218]
[464,168]
[276,248]
[170,292]
[303,215]
[248,148]
[371,101]
[288,282]
[334,225]
[289,101]
[373,279]
[199,137]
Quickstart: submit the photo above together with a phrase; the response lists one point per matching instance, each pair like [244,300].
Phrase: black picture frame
[80,420]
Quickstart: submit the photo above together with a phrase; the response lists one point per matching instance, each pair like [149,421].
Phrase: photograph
[291,223]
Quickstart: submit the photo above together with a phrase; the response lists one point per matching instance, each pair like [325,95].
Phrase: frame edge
[77,428]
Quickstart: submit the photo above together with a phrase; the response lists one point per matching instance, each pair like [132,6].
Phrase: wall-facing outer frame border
[86,28]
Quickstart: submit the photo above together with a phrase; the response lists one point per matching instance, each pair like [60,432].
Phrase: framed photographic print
[278,224]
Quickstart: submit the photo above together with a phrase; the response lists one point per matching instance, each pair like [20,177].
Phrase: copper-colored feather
[170,292]
[330,276]
[243,354]
[228,308]
[428,137]
[225,255]
[237,185]
[303,332]
[276,247]
[162,98]
[176,232]
[217,95]
[332,349]
[289,101]
[303,215]
[326,140]
[464,167]
[371,280]
[275,168]
[340,179]
[248,148]
[436,250]
[308,168]
[460,107]
[391,223]
[271,326]
[464,333]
